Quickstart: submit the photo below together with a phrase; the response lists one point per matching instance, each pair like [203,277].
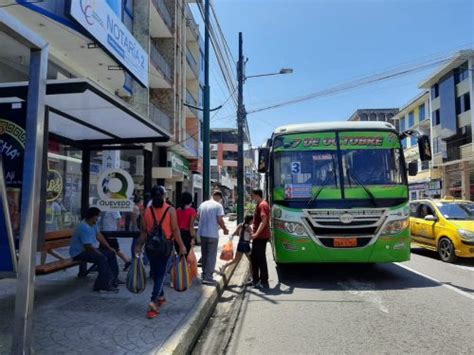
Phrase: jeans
[158,272]
[106,262]
[186,237]
[258,259]
[209,255]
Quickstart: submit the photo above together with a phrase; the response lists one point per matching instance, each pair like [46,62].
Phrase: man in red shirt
[260,237]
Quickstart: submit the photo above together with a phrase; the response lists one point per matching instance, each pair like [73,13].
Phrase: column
[446,183]
[465,181]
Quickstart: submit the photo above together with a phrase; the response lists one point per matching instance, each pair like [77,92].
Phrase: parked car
[445,226]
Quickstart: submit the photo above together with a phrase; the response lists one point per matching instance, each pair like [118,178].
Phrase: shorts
[243,247]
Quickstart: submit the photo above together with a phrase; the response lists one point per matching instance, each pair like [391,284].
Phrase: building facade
[383,114]
[115,101]
[451,99]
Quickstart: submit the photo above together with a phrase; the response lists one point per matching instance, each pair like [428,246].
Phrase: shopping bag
[227,253]
[193,264]
[136,276]
[180,274]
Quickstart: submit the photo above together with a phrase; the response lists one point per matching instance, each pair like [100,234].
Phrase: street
[421,306]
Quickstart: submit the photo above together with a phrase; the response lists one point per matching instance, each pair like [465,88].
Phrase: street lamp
[241,118]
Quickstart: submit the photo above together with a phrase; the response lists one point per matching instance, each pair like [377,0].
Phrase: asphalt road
[423,306]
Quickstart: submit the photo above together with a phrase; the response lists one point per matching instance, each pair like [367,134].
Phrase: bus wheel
[446,250]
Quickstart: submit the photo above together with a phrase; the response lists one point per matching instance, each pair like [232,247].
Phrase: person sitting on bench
[84,243]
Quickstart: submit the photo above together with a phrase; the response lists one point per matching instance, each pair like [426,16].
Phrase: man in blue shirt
[84,247]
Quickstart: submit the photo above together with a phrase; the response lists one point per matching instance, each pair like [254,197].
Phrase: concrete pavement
[386,308]
[70,318]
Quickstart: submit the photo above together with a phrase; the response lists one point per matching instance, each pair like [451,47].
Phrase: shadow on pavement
[339,277]
[434,255]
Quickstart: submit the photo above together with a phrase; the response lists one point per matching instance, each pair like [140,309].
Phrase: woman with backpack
[159,229]
[186,216]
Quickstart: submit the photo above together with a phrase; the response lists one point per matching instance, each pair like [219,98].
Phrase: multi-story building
[382,114]
[415,116]
[224,155]
[119,75]
[451,99]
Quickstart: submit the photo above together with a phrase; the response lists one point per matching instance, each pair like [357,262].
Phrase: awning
[82,111]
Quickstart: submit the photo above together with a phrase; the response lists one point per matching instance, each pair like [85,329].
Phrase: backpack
[156,243]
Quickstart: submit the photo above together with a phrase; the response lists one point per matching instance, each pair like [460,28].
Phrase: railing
[192,62]
[190,143]
[160,63]
[192,101]
[165,14]
[160,118]
[191,23]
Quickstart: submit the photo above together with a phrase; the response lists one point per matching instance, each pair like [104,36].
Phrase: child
[244,231]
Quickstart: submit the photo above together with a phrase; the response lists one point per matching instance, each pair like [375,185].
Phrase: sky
[330,42]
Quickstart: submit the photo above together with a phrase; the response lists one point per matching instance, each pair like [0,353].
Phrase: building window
[364,117]
[463,103]
[405,143]
[373,117]
[461,73]
[436,145]
[425,165]
[402,124]
[414,141]
[434,91]
[421,108]
[382,117]
[411,119]
[436,118]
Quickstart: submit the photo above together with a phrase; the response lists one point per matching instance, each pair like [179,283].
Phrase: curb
[190,328]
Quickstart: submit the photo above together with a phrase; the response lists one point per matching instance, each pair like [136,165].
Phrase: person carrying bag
[160,228]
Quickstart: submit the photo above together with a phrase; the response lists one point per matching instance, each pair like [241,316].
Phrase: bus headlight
[466,235]
[396,227]
[293,228]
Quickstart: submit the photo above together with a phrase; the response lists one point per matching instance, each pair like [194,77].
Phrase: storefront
[96,155]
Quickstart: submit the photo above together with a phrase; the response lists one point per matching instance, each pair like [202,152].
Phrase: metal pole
[30,201]
[206,111]
[241,117]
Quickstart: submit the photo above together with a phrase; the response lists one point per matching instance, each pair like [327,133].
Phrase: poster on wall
[12,149]
[115,189]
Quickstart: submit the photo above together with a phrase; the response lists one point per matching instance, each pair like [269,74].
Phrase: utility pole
[241,117]
[206,110]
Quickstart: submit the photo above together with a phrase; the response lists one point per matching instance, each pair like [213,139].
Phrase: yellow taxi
[445,226]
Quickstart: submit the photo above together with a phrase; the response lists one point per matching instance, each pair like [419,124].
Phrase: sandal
[161,301]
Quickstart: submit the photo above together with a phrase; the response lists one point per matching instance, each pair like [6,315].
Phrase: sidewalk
[70,318]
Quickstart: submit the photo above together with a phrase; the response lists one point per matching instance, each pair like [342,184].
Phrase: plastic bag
[136,276]
[180,274]
[227,253]
[193,264]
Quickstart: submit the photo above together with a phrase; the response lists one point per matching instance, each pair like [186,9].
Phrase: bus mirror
[263,159]
[424,147]
[413,168]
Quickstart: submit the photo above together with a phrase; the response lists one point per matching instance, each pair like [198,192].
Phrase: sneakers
[210,282]
[265,285]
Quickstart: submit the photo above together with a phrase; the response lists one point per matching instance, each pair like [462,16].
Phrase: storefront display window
[63,187]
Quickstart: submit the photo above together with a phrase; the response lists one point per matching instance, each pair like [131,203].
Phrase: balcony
[193,64]
[160,118]
[193,28]
[161,24]
[467,151]
[191,145]
[160,70]
[192,101]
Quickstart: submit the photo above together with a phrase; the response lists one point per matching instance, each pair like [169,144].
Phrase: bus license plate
[345,242]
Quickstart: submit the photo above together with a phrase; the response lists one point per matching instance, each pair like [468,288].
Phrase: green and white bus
[339,192]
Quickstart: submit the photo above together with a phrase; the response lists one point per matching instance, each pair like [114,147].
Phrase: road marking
[365,291]
[455,289]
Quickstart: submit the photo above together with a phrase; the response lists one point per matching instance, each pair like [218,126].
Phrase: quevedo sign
[102,23]
[115,190]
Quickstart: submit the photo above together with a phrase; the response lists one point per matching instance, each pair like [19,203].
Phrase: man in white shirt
[211,216]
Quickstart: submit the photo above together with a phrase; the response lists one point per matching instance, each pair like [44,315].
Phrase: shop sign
[178,163]
[115,189]
[298,190]
[434,185]
[100,20]
[197,181]
[419,186]
[54,185]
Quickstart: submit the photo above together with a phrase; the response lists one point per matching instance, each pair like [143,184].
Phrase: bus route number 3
[295,167]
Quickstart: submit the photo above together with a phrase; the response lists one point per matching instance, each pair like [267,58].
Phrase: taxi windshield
[457,211]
